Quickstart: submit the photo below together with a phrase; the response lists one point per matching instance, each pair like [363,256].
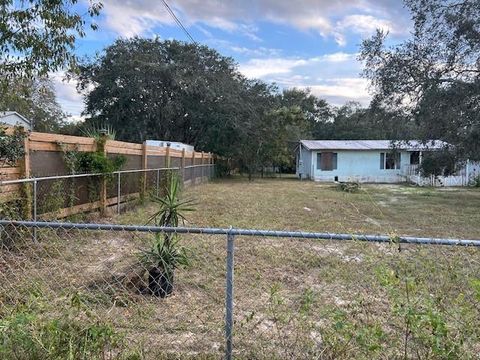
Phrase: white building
[172,144]
[372,161]
[12,118]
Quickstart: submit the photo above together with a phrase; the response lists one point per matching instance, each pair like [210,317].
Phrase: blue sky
[303,43]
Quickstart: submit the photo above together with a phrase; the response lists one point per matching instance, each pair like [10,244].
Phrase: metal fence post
[229,297]
[119,193]
[35,209]
[157,183]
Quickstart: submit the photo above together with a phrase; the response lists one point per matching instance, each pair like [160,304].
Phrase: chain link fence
[245,294]
[57,197]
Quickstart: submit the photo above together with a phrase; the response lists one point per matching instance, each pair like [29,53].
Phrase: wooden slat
[175,153]
[123,151]
[9,188]
[156,150]
[66,139]
[77,209]
[8,129]
[9,176]
[124,145]
[52,146]
[10,170]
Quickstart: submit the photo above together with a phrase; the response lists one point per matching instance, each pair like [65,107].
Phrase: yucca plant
[166,254]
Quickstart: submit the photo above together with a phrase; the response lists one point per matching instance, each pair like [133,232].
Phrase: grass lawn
[294,298]
[288,204]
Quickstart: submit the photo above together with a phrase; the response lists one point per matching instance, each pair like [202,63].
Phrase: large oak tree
[433,78]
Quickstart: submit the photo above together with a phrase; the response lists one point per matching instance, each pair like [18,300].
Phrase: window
[390,161]
[327,161]
[415,158]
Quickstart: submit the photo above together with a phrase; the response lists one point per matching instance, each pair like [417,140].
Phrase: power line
[177,20]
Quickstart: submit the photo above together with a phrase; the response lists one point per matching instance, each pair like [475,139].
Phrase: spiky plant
[165,254]
[97,132]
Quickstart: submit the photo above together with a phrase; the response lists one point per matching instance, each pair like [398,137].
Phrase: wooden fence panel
[45,157]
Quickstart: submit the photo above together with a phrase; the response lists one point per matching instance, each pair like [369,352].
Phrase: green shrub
[438,163]
[35,331]
[349,186]
[97,162]
[476,181]
[11,146]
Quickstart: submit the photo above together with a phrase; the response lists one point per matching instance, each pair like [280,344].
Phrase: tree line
[427,87]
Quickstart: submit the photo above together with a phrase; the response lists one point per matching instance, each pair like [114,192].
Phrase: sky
[303,43]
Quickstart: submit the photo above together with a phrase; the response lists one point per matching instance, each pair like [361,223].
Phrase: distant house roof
[13,118]
[411,145]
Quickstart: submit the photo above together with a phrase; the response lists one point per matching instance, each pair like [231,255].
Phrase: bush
[29,332]
[97,162]
[11,146]
[476,181]
[349,186]
[438,163]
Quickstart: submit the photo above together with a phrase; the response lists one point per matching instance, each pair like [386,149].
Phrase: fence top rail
[247,232]
[198,165]
[59,177]
[32,179]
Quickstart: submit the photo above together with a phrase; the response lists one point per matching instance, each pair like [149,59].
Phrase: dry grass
[283,204]
[294,298]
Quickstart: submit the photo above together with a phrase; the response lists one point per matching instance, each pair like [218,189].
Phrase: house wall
[362,166]
[306,167]
[14,120]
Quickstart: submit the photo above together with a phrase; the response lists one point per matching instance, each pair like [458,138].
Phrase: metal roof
[411,145]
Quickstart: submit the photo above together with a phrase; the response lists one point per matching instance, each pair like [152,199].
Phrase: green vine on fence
[12,149]
[12,146]
[97,162]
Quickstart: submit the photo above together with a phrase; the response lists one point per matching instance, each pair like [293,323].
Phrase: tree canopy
[170,90]
[38,37]
[36,100]
[433,78]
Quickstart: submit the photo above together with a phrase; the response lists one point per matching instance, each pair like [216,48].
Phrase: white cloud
[334,77]
[340,90]
[326,17]
[366,24]
[262,67]
[67,96]
[259,51]
[259,68]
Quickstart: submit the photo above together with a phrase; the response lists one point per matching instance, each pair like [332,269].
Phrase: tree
[315,111]
[38,37]
[35,99]
[169,90]
[438,68]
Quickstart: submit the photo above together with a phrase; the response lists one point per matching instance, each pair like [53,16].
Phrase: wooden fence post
[201,168]
[182,165]
[102,147]
[25,172]
[193,168]
[167,157]
[143,190]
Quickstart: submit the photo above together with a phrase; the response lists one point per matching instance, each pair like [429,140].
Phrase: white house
[12,118]
[361,160]
[172,144]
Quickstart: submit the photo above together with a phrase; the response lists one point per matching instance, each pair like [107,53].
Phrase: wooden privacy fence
[45,156]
